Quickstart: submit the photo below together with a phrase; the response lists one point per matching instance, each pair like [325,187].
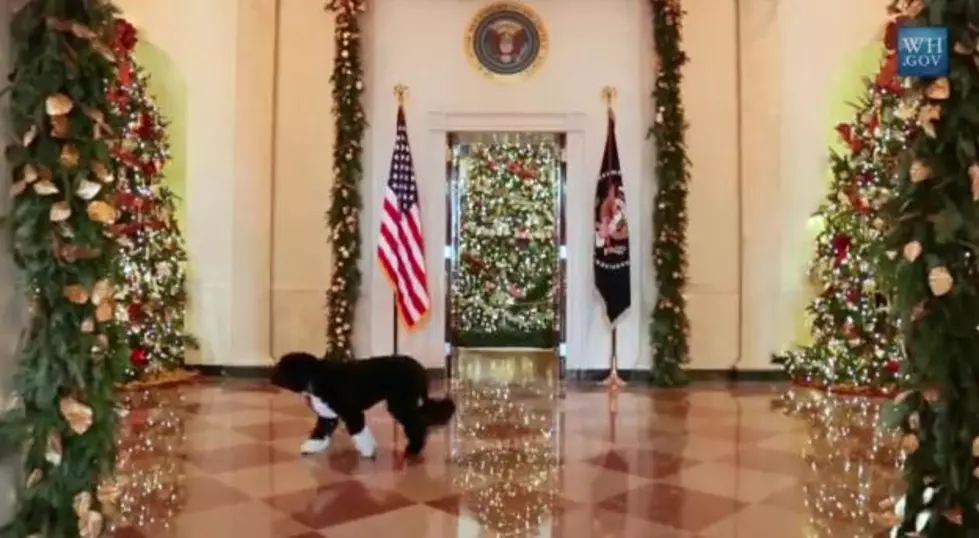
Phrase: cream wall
[259,108]
[226,52]
[447,94]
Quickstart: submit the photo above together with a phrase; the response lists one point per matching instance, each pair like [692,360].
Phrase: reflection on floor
[222,460]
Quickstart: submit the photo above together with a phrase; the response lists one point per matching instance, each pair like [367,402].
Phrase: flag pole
[400,91]
[613,381]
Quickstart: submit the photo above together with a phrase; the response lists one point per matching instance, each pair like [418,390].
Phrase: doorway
[505,242]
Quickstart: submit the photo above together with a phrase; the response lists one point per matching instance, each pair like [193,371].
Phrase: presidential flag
[611,233]
[401,248]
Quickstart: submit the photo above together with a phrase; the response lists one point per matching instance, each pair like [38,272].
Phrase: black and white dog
[342,391]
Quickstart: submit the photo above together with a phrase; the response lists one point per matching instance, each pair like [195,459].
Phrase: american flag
[401,248]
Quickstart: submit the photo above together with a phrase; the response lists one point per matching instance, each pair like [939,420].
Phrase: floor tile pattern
[221,459]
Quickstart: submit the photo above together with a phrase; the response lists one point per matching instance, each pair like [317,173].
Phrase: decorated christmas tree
[855,342]
[153,300]
[934,233]
[503,288]
[59,426]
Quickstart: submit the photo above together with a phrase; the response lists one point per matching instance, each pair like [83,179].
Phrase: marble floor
[221,459]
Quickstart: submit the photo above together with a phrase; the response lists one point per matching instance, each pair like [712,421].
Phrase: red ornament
[134,311]
[138,358]
[890,34]
[841,247]
[124,36]
[892,366]
[845,131]
[886,79]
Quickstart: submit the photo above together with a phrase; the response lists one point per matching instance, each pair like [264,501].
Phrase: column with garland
[855,343]
[60,423]
[153,257]
[933,221]
[669,326]
[503,291]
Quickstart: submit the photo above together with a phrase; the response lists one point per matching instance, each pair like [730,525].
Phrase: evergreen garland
[62,418]
[934,223]
[343,217]
[669,327]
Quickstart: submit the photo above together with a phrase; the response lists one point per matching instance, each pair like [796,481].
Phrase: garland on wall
[669,326]
[61,420]
[343,216]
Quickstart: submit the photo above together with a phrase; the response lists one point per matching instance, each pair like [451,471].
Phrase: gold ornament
[914,421]
[954,515]
[104,312]
[78,415]
[45,188]
[939,90]
[931,395]
[919,171]
[34,478]
[30,136]
[82,32]
[910,443]
[912,250]
[13,402]
[975,447]
[69,156]
[108,493]
[906,109]
[927,115]
[102,172]
[29,173]
[53,451]
[57,24]
[912,8]
[88,326]
[82,503]
[90,522]
[76,293]
[104,50]
[101,291]
[87,189]
[17,188]
[60,127]
[940,280]
[918,311]
[888,519]
[94,114]
[974,181]
[101,212]
[58,104]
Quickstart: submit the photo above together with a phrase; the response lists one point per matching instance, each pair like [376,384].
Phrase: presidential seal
[506,40]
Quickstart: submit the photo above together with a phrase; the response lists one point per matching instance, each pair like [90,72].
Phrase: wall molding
[512,121]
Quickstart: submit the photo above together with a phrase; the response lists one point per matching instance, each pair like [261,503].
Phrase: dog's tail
[438,411]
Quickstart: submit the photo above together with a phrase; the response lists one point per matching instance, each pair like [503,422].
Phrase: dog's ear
[294,371]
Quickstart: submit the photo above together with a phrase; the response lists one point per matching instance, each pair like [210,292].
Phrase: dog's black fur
[350,388]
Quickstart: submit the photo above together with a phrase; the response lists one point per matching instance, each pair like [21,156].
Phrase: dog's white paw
[314,446]
[364,442]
